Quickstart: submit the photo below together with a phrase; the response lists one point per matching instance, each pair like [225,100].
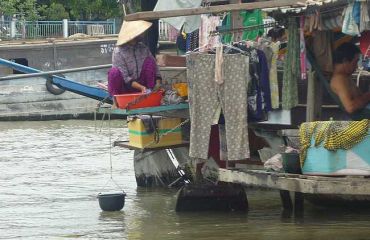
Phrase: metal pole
[12,27]
[23,29]
[65,28]
[114,26]
[20,76]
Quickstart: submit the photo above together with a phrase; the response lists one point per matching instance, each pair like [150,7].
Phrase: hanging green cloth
[291,67]
[250,18]
[226,24]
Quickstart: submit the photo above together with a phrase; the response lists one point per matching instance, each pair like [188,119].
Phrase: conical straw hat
[132,29]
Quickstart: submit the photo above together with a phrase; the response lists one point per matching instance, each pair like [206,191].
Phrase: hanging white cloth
[190,23]
[365,20]
[219,73]
[208,24]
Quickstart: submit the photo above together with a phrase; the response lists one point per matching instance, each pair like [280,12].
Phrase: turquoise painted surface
[363,149]
[321,160]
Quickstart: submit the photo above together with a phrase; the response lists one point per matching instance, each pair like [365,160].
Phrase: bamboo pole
[211,9]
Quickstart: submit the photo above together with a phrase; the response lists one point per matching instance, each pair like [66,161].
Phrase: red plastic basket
[138,100]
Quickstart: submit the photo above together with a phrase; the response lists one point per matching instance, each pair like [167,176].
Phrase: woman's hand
[138,86]
[158,85]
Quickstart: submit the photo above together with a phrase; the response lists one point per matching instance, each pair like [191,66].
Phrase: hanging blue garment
[254,91]
[259,93]
[192,40]
[356,12]
[264,82]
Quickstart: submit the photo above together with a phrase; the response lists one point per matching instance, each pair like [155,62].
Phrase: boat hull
[29,99]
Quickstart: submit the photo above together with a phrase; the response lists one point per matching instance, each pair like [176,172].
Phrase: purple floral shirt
[129,60]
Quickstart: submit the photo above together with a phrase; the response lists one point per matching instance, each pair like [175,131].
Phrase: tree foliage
[23,9]
[93,9]
[60,9]
[54,12]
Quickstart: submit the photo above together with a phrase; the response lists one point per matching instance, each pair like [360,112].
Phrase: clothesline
[242,29]
[328,11]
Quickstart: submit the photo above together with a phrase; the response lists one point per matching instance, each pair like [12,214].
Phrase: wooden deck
[346,185]
[150,110]
[126,144]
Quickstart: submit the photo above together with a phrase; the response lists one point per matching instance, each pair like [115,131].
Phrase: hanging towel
[190,23]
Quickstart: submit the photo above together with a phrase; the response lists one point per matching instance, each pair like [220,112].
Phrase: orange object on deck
[139,100]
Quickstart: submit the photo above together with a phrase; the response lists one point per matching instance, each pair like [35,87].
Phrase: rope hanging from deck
[333,135]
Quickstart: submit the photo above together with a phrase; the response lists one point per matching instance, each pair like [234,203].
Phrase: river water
[51,172]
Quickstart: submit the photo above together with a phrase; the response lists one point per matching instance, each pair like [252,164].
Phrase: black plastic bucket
[291,163]
[112,201]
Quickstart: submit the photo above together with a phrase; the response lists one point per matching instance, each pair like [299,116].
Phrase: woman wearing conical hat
[134,67]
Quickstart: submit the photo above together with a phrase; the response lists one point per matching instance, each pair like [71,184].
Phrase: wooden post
[314,98]
[298,204]
[286,200]
[236,22]
[287,204]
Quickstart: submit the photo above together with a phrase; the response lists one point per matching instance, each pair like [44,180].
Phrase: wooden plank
[164,69]
[125,144]
[210,9]
[164,108]
[352,186]
[288,132]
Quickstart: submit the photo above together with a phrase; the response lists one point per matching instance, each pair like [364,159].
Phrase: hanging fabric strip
[274,85]
[302,49]
[264,83]
[291,67]
[322,50]
[365,20]
[219,74]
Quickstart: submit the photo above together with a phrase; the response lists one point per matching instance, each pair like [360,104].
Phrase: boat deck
[347,185]
[126,144]
[158,109]
[164,110]
[298,185]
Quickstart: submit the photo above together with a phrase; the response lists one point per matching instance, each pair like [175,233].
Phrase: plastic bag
[350,26]
[181,89]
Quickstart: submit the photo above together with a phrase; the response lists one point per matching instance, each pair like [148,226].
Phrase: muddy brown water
[51,172]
